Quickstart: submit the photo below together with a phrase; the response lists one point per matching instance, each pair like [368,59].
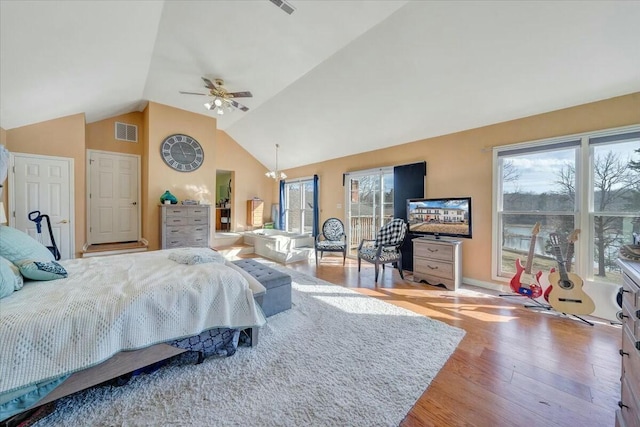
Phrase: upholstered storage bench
[277,298]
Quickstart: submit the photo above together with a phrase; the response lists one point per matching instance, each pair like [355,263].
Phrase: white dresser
[437,262]
[185,225]
[628,414]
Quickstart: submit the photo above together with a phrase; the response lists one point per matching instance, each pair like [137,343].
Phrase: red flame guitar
[523,282]
[571,240]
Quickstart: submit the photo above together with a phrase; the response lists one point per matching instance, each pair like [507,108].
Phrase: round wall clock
[182,153]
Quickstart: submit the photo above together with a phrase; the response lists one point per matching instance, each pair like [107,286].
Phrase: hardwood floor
[514,367]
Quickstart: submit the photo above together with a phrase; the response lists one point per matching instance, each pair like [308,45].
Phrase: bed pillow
[10,278]
[16,246]
[41,270]
[191,256]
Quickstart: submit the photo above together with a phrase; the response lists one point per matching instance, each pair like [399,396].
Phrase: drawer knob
[623,316]
[432,250]
[433,268]
[623,290]
[638,345]
[638,314]
[623,353]
[622,405]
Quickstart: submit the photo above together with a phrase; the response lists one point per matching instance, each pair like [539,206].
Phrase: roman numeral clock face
[182,153]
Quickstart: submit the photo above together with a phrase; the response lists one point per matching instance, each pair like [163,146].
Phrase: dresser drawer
[630,356]
[198,212]
[434,280]
[631,292]
[176,220]
[433,268]
[176,211]
[198,220]
[631,319]
[433,251]
[631,411]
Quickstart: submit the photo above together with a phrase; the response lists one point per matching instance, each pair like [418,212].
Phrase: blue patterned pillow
[37,270]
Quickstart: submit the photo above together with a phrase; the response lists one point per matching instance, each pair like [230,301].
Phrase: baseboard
[483,284]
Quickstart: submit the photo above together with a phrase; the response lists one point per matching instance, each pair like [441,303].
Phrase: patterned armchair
[385,249]
[332,239]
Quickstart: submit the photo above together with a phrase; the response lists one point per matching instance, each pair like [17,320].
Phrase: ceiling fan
[222,99]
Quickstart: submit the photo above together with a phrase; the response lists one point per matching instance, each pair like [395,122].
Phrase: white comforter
[114,303]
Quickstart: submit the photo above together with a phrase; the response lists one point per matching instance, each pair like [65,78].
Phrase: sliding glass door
[369,204]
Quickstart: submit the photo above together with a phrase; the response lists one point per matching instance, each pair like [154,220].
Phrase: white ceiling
[334,78]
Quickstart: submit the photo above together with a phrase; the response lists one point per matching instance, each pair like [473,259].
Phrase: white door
[45,184]
[113,211]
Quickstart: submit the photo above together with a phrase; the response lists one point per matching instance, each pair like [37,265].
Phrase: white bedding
[114,303]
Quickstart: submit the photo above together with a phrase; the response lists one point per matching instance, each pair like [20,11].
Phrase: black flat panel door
[408,183]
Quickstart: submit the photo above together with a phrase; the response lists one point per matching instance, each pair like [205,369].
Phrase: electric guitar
[523,282]
[566,295]
[571,239]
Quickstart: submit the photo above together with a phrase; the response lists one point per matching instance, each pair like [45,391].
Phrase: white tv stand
[437,261]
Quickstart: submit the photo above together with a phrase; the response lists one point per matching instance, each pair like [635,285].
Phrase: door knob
[64,221]
[134,203]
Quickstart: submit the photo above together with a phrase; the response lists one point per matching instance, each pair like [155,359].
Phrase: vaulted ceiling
[334,78]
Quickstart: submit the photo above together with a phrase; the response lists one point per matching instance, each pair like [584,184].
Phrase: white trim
[386,169]
[483,284]
[72,191]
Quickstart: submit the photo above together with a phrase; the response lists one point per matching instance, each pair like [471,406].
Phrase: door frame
[88,189]
[11,193]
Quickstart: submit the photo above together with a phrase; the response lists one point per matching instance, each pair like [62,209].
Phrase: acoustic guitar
[523,282]
[571,240]
[566,295]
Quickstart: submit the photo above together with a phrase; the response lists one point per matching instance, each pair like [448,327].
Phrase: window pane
[539,181]
[610,233]
[516,240]
[616,177]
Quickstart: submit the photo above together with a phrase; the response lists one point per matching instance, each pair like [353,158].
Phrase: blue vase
[168,196]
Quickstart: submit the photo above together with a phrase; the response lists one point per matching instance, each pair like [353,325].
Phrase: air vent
[125,132]
[284,6]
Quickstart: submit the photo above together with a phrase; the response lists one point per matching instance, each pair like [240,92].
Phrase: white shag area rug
[336,358]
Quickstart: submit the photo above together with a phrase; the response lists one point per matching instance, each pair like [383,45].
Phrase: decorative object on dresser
[184,225]
[168,197]
[628,414]
[437,262]
[255,208]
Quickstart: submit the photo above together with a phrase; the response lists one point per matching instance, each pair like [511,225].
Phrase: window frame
[302,210]
[584,212]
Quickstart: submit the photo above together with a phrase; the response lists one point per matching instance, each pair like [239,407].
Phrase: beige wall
[101,135]
[248,179]
[460,164]
[63,137]
[198,185]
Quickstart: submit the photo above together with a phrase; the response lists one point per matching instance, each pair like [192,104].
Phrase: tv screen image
[440,217]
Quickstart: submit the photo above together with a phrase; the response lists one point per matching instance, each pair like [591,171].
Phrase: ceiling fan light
[218,102]
[208,105]
[220,111]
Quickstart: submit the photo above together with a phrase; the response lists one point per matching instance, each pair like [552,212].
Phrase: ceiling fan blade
[191,93]
[246,94]
[209,83]
[238,105]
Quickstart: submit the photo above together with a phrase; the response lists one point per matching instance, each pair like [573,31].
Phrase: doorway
[369,203]
[224,200]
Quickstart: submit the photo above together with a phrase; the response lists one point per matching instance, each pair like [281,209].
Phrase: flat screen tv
[447,216]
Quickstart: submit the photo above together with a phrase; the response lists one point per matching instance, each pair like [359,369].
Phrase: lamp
[276,174]
[219,104]
[3,217]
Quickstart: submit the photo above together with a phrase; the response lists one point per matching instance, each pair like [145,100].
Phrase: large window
[298,202]
[584,186]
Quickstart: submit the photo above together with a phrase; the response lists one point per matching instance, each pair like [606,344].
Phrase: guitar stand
[535,303]
[579,318]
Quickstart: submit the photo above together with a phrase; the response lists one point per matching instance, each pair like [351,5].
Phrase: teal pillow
[37,270]
[16,246]
[10,278]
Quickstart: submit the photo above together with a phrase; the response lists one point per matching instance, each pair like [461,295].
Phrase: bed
[114,314]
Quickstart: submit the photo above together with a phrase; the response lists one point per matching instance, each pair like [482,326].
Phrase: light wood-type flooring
[514,367]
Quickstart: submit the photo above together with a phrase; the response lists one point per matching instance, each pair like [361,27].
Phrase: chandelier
[276,174]
[220,105]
